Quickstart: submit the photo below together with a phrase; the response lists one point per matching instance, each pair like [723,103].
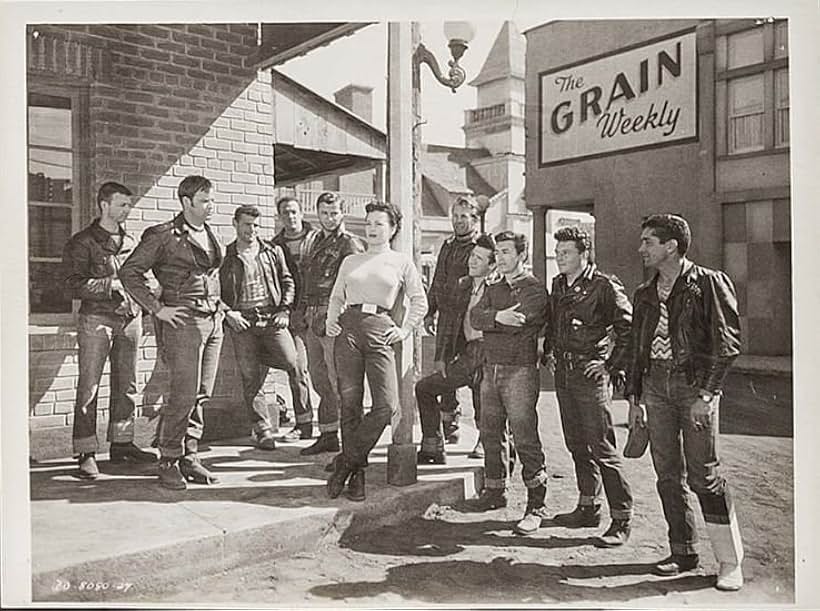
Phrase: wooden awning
[284,41]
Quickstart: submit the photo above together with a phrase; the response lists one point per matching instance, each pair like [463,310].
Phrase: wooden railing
[352,203]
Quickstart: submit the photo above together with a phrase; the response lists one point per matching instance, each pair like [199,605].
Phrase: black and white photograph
[484,305]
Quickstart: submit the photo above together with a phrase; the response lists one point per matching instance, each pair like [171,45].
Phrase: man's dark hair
[510,236]
[284,200]
[247,210]
[485,240]
[109,189]
[393,213]
[582,240]
[667,227]
[191,185]
[328,197]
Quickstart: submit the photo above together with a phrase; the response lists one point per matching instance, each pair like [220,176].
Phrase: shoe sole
[86,476]
[357,499]
[660,573]
[605,544]
[130,459]
[167,487]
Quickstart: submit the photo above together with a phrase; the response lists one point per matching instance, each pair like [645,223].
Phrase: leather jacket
[297,261]
[275,272]
[185,272]
[323,262]
[583,314]
[704,328]
[92,259]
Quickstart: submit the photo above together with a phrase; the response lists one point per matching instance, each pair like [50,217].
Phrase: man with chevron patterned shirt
[685,336]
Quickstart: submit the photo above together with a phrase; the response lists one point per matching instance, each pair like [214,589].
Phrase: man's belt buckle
[370,308]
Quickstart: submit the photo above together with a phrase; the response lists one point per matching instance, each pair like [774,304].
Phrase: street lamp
[459,34]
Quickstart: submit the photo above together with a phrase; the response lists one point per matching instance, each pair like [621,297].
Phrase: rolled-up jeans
[684,457]
[510,392]
[256,349]
[192,351]
[360,349]
[586,420]
[100,336]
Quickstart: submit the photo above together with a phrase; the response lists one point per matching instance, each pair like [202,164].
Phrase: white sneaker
[730,578]
[531,522]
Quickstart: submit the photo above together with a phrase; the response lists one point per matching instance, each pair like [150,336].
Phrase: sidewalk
[123,528]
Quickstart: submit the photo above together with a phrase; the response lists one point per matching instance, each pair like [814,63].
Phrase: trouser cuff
[540,479]
[121,431]
[262,426]
[85,445]
[304,418]
[333,427]
[683,549]
[170,453]
[588,501]
[495,484]
[432,445]
[621,514]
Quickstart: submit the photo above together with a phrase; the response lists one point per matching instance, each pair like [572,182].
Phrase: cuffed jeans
[192,351]
[683,455]
[586,419]
[100,336]
[360,350]
[432,392]
[257,349]
[322,367]
[510,392]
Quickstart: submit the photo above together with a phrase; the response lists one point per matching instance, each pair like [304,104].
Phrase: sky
[362,59]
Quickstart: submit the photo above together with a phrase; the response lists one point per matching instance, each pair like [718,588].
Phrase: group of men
[669,357]
[272,297]
[489,314]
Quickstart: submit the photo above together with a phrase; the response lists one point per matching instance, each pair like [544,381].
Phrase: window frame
[730,117]
[778,107]
[81,212]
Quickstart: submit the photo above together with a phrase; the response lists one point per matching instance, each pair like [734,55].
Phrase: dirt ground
[452,556]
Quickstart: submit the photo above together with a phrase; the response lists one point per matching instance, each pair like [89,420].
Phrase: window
[745,48]
[781,39]
[781,108]
[746,114]
[51,211]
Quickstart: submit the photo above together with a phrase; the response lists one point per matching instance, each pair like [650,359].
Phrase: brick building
[144,105]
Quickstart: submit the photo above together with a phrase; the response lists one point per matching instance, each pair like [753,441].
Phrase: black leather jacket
[704,328]
[275,272]
[323,262]
[583,314]
[187,275]
[92,259]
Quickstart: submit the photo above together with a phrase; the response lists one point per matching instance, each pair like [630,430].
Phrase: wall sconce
[459,34]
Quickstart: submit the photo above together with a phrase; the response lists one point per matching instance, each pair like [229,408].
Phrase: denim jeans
[322,368]
[683,455]
[510,392]
[433,390]
[360,350]
[256,349]
[192,353]
[586,419]
[100,336]
[304,414]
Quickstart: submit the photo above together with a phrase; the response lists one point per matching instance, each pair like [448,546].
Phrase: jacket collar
[180,228]
[306,229]
[585,276]
[231,249]
[102,235]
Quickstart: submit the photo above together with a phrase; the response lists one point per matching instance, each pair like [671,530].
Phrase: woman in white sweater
[358,316]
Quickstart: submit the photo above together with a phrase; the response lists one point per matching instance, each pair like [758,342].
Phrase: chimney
[358,99]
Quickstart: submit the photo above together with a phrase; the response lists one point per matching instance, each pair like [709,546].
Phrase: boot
[728,549]
[327,442]
[676,564]
[193,470]
[489,499]
[355,486]
[451,434]
[430,458]
[336,481]
[123,452]
[616,535]
[535,512]
[583,516]
[87,466]
[169,474]
[265,441]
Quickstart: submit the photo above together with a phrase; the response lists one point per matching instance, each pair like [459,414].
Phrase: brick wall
[164,101]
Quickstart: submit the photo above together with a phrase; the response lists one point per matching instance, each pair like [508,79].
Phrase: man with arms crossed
[184,254]
[510,315]
[587,308]
[109,327]
[464,368]
[320,270]
[258,287]
[685,336]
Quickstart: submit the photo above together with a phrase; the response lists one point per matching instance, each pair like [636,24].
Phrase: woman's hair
[392,212]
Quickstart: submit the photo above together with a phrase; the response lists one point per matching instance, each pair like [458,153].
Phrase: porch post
[401,454]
